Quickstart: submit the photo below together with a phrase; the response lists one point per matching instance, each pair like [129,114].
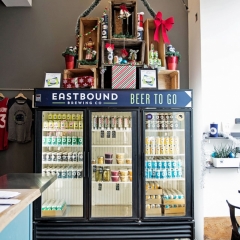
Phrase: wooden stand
[168,79]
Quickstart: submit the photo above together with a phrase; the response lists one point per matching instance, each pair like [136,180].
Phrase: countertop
[30,185]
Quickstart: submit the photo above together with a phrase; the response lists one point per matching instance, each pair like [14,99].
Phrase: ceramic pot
[70,61]
[172,63]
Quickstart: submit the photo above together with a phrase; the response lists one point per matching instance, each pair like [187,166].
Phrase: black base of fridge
[138,230]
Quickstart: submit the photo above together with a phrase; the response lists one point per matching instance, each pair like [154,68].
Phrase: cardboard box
[174,210]
[86,25]
[154,192]
[149,29]
[119,26]
[124,77]
[154,211]
[168,79]
[73,73]
[54,213]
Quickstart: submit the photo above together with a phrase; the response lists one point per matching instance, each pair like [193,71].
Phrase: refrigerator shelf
[164,179]
[50,145]
[165,155]
[116,130]
[111,145]
[114,165]
[164,130]
[62,162]
[95,182]
[61,130]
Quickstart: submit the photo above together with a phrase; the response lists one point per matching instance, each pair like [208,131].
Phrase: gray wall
[31,43]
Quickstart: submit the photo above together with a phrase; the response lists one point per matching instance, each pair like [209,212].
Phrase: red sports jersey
[3,124]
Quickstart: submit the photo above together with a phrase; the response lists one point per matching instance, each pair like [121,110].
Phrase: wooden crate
[149,29]
[86,25]
[118,26]
[168,79]
[71,73]
[119,45]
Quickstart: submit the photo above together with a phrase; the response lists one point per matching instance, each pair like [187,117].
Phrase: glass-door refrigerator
[123,161]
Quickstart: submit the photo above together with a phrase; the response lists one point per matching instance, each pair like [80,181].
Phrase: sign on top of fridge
[113,98]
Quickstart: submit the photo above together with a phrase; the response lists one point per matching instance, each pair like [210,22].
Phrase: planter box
[118,26]
[226,162]
[168,79]
[149,29]
[86,25]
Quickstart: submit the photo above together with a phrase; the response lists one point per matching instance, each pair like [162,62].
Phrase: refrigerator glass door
[62,154]
[164,164]
[111,168]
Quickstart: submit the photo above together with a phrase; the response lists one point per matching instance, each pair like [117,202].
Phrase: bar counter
[30,185]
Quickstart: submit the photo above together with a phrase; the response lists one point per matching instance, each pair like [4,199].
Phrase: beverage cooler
[123,160]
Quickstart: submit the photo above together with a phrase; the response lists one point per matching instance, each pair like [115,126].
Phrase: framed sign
[148,78]
[52,80]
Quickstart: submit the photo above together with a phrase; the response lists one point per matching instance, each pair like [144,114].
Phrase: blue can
[149,173]
[174,173]
[149,164]
[146,173]
[163,174]
[169,164]
[180,196]
[154,164]
[165,197]
[179,163]
[157,174]
[169,173]
[146,164]
[159,164]
[179,173]
[174,163]
[154,173]
[164,165]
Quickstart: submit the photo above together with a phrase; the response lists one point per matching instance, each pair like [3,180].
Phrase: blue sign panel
[112,98]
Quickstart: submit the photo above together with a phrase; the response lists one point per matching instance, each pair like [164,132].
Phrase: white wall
[214,63]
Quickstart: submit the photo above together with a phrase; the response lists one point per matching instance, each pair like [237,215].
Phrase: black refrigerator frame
[136,227]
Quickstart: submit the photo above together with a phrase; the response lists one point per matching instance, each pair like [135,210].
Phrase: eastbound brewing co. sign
[113,98]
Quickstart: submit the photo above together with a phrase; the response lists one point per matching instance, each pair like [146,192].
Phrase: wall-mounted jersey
[3,124]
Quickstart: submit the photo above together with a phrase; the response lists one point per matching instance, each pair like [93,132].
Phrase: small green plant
[224,151]
[171,52]
[70,51]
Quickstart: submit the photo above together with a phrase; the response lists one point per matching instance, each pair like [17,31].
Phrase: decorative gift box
[123,77]
[79,82]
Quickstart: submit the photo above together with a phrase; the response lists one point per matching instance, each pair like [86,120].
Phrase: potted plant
[225,156]
[173,57]
[70,53]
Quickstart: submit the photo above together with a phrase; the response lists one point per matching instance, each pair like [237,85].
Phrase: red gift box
[79,82]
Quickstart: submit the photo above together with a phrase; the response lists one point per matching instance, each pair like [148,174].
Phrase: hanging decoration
[166,26]
[124,13]
[110,48]
[96,2]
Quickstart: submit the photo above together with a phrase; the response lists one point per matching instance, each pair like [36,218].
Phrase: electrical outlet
[226,127]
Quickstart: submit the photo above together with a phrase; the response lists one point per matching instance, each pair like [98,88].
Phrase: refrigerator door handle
[86,169]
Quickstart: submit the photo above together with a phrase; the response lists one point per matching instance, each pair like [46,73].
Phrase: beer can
[179,163]
[54,116]
[163,174]
[157,173]
[44,140]
[119,122]
[153,124]
[76,124]
[154,164]
[157,206]
[44,156]
[59,156]
[74,117]
[162,149]
[64,156]
[80,156]
[152,142]
[159,164]
[169,164]
[147,149]
[45,124]
[64,116]
[179,172]
[69,116]
[54,156]
[69,173]
[171,149]
[162,140]
[158,149]
[148,126]
[79,141]
[59,116]
[161,125]
[75,157]
[165,125]
[166,149]
[176,140]
[169,173]
[158,140]
[56,124]
[77,117]
[174,163]
[49,140]
[69,140]
[106,122]
[166,140]
[147,140]
[71,125]
[152,149]
[176,124]
[70,157]
[113,122]
[74,172]
[149,164]
[153,173]
[54,140]
[164,164]
[54,171]
[174,173]
[149,173]
[126,122]
[50,124]
[100,122]
[94,122]
[80,124]
[176,149]
[64,140]
[64,173]
[63,124]
[147,197]
[170,125]
[74,140]
[148,206]
[59,173]
[50,116]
